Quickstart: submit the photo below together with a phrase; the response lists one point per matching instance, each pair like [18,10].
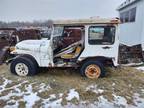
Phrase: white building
[132,19]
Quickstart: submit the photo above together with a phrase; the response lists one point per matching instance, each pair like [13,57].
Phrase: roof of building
[126,3]
[86,21]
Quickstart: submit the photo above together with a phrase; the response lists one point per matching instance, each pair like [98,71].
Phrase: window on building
[122,17]
[132,14]
[104,35]
[128,16]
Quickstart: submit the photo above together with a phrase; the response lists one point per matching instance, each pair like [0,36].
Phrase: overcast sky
[29,10]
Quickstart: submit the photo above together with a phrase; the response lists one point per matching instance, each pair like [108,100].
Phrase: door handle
[106,47]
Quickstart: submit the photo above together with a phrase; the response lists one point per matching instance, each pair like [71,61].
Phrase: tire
[23,66]
[92,69]
[33,60]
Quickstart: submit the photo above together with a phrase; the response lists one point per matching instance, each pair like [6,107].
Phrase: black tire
[31,67]
[96,63]
[33,60]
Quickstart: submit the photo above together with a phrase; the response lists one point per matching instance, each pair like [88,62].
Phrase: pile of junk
[9,37]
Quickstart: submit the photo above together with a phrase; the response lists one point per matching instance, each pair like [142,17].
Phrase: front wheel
[92,69]
[23,66]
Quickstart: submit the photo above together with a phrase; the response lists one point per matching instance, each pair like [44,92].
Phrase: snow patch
[52,101]
[55,101]
[72,94]
[31,98]
[61,94]
[132,64]
[14,105]
[94,89]
[5,83]
[141,68]
[53,104]
[113,84]
[120,102]
[103,103]
[139,102]
[43,87]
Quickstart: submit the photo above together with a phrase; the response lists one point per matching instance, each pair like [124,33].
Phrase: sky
[30,10]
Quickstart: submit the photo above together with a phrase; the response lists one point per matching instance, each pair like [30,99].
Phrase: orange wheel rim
[93,71]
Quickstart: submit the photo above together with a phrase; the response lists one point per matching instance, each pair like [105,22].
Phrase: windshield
[46,34]
[58,30]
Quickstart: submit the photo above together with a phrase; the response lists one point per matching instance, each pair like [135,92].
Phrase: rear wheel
[92,69]
[23,66]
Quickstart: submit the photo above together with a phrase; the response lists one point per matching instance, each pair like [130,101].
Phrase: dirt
[122,81]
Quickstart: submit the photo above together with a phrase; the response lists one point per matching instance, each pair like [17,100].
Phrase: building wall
[142,34]
[131,32]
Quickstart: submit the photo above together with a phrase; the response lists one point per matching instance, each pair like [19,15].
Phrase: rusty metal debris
[10,36]
[130,54]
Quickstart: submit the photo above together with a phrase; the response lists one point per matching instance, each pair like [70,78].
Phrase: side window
[101,35]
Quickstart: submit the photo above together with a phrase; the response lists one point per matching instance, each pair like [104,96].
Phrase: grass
[122,81]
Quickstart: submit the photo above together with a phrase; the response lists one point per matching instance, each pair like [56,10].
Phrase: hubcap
[93,71]
[21,69]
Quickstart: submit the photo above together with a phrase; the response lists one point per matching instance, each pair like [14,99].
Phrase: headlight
[12,48]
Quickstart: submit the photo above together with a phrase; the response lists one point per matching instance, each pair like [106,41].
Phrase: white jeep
[89,44]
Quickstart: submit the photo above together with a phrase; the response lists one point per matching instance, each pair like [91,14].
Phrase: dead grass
[122,81]
[2,103]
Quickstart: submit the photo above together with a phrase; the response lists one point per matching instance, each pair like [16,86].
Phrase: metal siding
[142,34]
[130,33]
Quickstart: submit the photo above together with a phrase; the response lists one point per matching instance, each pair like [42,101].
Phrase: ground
[123,87]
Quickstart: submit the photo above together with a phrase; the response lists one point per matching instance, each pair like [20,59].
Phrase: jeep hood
[30,45]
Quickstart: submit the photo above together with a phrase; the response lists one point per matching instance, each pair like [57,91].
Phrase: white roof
[86,21]
[126,3]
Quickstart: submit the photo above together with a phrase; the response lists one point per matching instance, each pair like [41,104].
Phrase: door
[101,40]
